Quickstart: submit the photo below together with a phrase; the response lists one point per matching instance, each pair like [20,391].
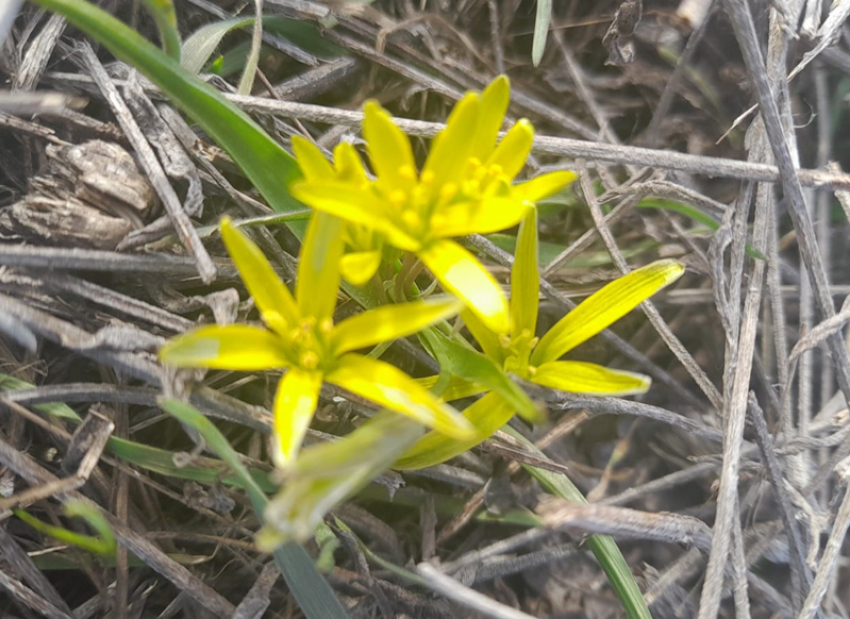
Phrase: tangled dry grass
[725,486]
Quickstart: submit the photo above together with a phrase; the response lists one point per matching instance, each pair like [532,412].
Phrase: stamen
[427,177]
[326,326]
[309,360]
[411,218]
[472,188]
[407,173]
[448,191]
[398,198]
[531,370]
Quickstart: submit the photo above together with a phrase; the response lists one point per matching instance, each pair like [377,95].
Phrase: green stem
[603,546]
[166,22]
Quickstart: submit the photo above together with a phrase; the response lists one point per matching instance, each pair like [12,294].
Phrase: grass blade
[603,546]
[246,82]
[198,48]
[541,30]
[166,22]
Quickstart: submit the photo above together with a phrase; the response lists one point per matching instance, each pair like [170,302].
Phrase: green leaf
[697,215]
[56,409]
[266,164]
[198,48]
[165,18]
[310,589]
[104,545]
[246,82]
[541,30]
[477,368]
[603,546]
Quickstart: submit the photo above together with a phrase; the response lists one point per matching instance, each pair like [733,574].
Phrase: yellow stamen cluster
[308,343]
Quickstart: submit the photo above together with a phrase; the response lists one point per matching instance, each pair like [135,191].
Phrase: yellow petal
[589,378]
[390,322]
[310,159]
[389,149]
[460,273]
[512,152]
[487,415]
[234,347]
[545,185]
[525,278]
[355,205]
[318,267]
[349,166]
[358,267]
[604,307]
[391,388]
[272,297]
[494,104]
[457,389]
[294,405]
[491,214]
[446,161]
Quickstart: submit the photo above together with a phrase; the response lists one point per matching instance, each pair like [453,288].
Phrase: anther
[411,218]
[407,173]
[448,191]
[309,360]
[398,198]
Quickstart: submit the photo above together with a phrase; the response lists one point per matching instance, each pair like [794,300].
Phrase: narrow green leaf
[56,409]
[541,30]
[312,592]
[165,18]
[477,368]
[697,215]
[198,48]
[246,82]
[603,546]
[104,545]
[267,165]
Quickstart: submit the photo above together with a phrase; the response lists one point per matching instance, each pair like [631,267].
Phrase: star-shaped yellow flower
[538,360]
[302,338]
[465,187]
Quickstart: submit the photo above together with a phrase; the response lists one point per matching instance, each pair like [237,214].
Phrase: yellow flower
[465,187]
[360,264]
[537,360]
[302,338]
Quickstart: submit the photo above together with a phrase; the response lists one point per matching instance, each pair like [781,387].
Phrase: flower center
[309,343]
[517,353]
